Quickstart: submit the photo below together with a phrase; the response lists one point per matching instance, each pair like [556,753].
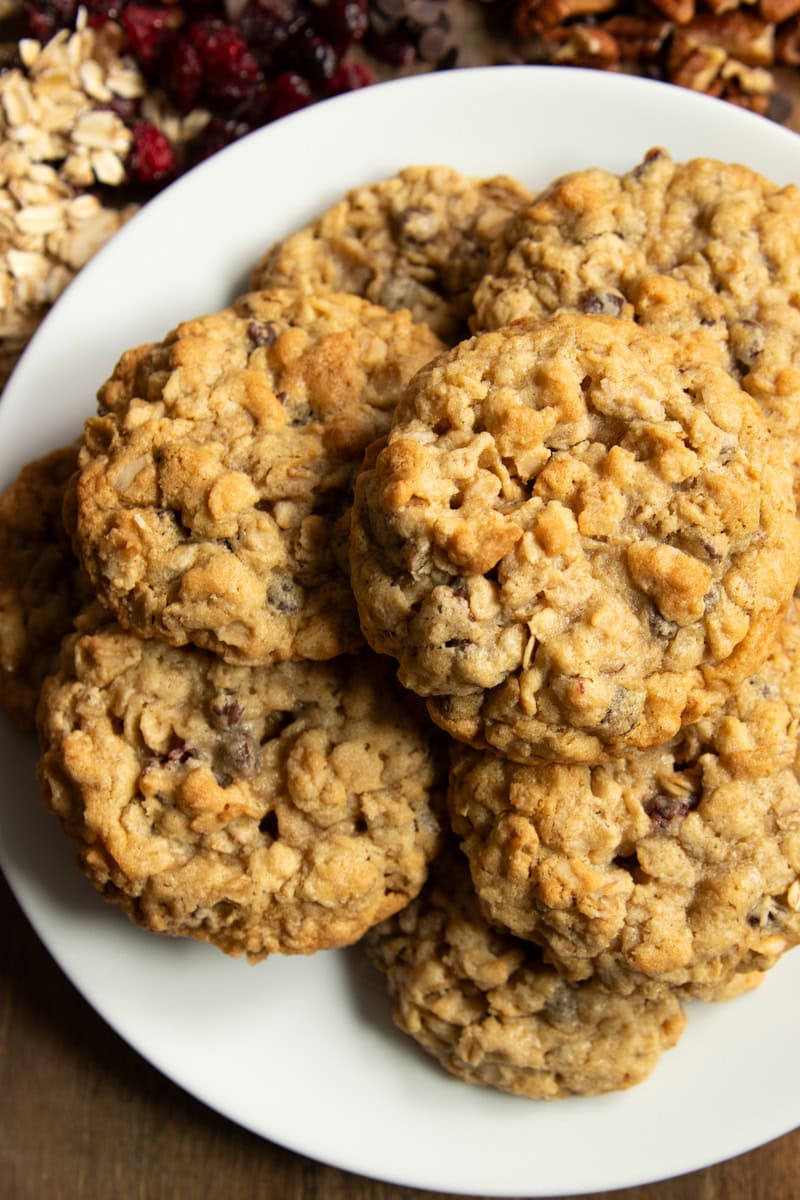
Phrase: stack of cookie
[574,536]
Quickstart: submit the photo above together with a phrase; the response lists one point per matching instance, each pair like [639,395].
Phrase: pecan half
[778,10]
[787,43]
[533,16]
[740,35]
[640,39]
[679,11]
[582,46]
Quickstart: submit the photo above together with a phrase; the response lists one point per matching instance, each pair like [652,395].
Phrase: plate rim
[313,116]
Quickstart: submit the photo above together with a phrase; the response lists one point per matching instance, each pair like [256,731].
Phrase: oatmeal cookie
[704,250]
[263,809]
[677,865]
[215,480]
[42,588]
[576,540]
[419,240]
[487,1007]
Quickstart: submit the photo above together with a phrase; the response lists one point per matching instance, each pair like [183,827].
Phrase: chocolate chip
[228,711]
[261,333]
[433,44]
[608,304]
[269,824]
[661,627]
[662,808]
[779,108]
[285,595]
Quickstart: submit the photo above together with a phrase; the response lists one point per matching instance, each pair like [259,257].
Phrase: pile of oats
[57,138]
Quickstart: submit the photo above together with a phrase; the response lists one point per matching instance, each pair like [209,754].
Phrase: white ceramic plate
[302,1051]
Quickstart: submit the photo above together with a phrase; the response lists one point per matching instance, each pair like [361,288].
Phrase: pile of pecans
[724,48]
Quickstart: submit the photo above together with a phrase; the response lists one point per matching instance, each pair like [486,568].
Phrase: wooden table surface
[83,1117]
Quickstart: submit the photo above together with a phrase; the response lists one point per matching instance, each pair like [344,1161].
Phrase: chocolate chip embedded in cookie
[485,1005]
[704,250]
[576,540]
[42,589]
[419,240]
[273,809]
[677,865]
[214,483]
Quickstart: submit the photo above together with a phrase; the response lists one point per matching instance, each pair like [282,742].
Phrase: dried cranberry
[390,48]
[217,134]
[349,77]
[342,21]
[145,29]
[267,27]
[100,11]
[44,17]
[313,57]
[662,809]
[288,93]
[126,108]
[151,158]
[181,73]
[229,69]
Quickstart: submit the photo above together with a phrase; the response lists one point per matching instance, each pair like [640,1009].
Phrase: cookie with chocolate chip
[214,485]
[42,589]
[576,540]
[265,810]
[488,1008]
[677,865]
[419,240]
[704,250]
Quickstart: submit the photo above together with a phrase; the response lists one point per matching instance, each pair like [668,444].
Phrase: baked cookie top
[678,865]
[576,539]
[272,809]
[42,589]
[419,240]
[215,480]
[704,250]
[486,1006]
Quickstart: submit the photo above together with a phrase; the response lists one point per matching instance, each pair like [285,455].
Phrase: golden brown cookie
[576,540]
[274,809]
[486,1006]
[706,251]
[215,481]
[419,240]
[42,589]
[677,865]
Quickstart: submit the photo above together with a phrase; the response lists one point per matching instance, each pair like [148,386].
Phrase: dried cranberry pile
[248,62]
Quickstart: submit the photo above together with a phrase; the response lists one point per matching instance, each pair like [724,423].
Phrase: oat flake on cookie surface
[272,809]
[215,482]
[704,250]
[576,539]
[486,1006]
[677,865]
[42,588]
[419,240]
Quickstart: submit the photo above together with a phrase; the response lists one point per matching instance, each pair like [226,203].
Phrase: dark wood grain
[83,1117]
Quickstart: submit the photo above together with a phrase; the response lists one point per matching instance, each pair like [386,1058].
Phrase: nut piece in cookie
[215,482]
[706,251]
[42,588]
[279,809]
[677,865]
[576,540]
[419,240]
[486,1006]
